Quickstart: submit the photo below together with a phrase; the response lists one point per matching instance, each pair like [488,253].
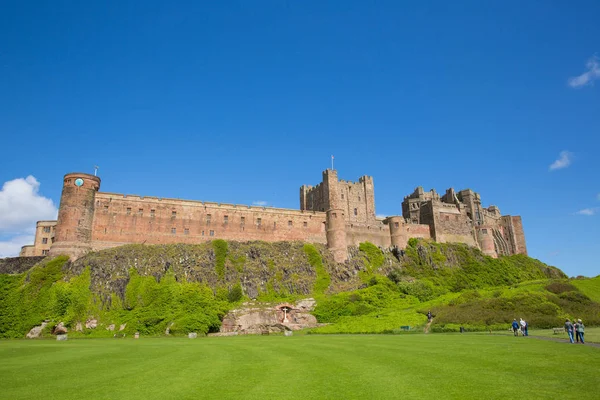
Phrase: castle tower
[486,240]
[336,234]
[398,232]
[75,215]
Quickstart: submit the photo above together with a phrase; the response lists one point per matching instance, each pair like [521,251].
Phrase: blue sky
[246,101]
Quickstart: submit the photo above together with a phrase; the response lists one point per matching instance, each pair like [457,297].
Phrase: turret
[485,238]
[336,234]
[75,215]
[399,236]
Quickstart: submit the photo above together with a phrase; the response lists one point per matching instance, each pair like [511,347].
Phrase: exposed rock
[223,334]
[192,335]
[111,327]
[122,327]
[257,318]
[17,265]
[79,327]
[60,329]
[62,336]
[36,331]
[168,330]
[91,323]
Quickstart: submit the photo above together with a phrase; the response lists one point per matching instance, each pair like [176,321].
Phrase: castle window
[305,224]
[396,224]
[128,210]
[208,218]
[45,241]
[484,231]
[290,223]
[105,208]
[358,198]
[173,231]
[46,229]
[173,214]
[45,252]
[334,215]
[342,196]
[447,218]
[152,213]
[259,221]
[243,221]
[226,219]
[202,233]
[356,211]
[274,225]
[212,233]
[141,211]
[186,231]
[105,231]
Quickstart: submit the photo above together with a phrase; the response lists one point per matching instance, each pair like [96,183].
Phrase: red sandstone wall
[114,224]
[378,234]
[519,235]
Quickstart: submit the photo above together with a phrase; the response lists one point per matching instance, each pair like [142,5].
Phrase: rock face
[60,329]
[91,323]
[17,265]
[36,331]
[192,335]
[257,318]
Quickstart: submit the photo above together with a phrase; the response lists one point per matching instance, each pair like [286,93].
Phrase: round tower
[75,215]
[485,238]
[398,234]
[336,234]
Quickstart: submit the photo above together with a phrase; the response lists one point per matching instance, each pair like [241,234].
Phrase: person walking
[515,326]
[575,325]
[580,329]
[569,329]
[429,316]
[523,326]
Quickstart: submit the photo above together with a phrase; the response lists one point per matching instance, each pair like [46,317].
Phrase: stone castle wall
[122,219]
[335,212]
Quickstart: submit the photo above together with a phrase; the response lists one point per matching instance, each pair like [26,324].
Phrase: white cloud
[21,206]
[587,211]
[563,160]
[589,76]
[382,216]
[12,246]
[259,203]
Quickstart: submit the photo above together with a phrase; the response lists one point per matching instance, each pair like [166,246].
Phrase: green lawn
[591,335]
[436,366]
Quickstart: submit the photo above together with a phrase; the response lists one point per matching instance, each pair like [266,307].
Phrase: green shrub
[235,294]
[220,248]
[323,279]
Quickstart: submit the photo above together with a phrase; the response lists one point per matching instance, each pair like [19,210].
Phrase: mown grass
[440,366]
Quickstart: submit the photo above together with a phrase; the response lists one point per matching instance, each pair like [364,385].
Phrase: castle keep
[335,212]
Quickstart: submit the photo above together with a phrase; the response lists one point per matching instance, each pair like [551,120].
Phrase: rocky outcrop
[17,265]
[60,329]
[258,318]
[36,331]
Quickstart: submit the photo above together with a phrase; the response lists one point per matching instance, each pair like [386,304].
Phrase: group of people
[577,328]
[521,326]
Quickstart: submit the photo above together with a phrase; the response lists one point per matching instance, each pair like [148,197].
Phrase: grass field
[436,366]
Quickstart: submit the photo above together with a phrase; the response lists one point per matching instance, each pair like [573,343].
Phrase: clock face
[78,182]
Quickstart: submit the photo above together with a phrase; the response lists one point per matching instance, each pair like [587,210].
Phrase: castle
[335,212]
